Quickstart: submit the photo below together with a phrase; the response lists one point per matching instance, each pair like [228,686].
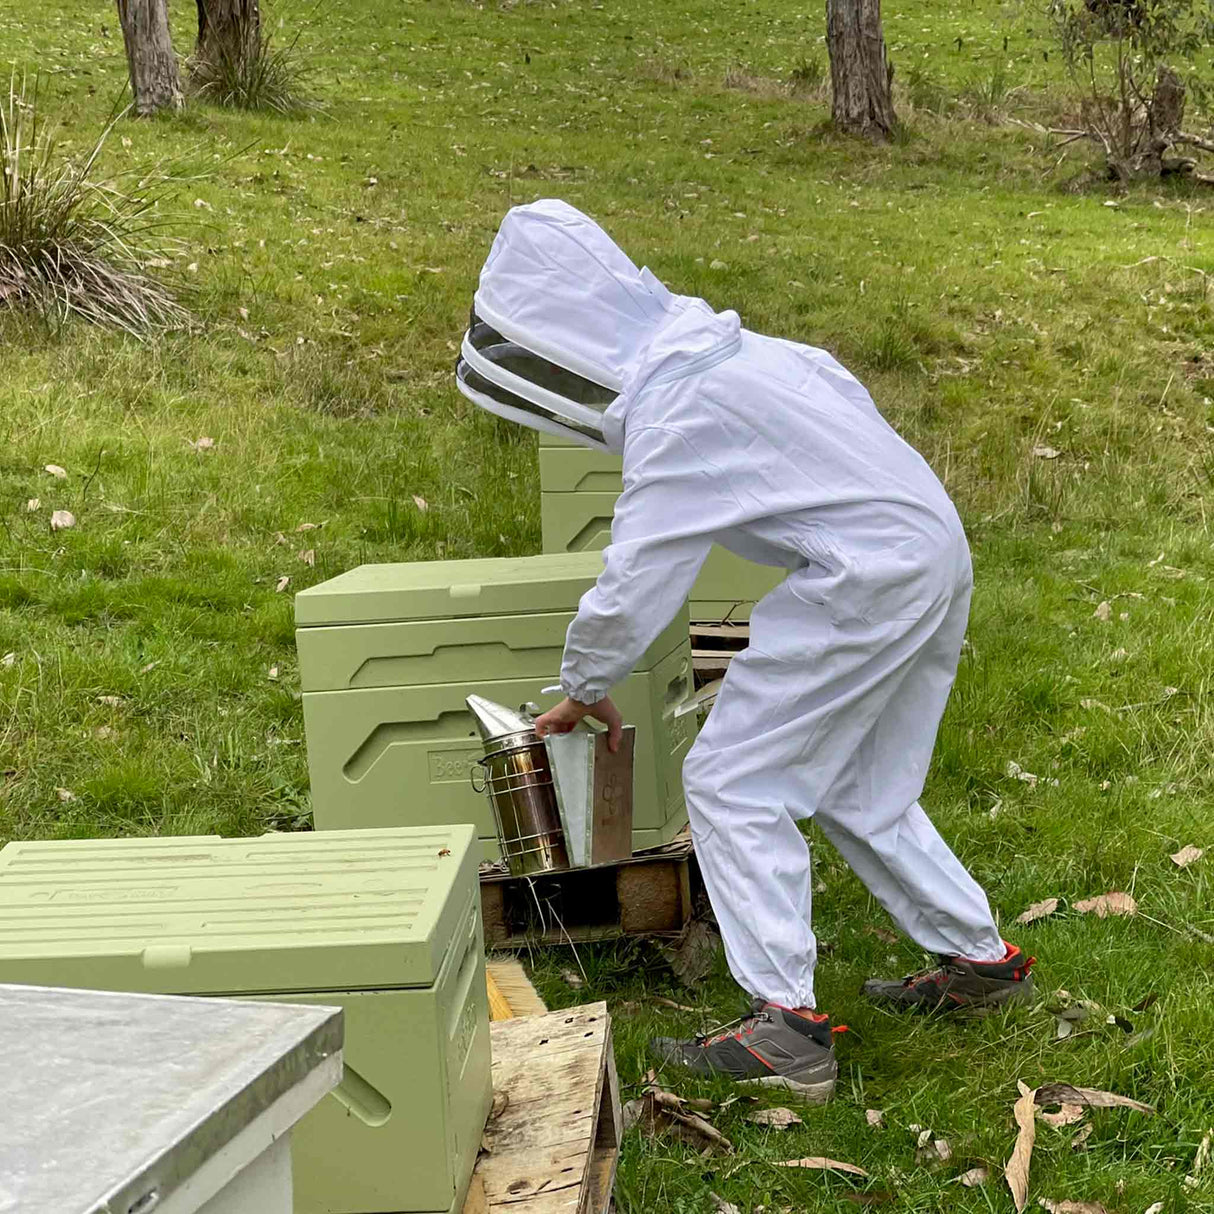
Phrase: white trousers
[835,718]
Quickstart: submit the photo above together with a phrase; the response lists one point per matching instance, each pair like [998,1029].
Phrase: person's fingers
[541,726]
[615,733]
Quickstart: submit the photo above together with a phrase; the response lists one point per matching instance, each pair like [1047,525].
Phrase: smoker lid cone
[496,720]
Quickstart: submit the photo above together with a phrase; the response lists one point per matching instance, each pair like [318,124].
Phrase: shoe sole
[819,1092]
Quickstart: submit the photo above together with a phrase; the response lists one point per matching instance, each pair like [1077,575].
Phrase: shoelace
[935,974]
[723,1031]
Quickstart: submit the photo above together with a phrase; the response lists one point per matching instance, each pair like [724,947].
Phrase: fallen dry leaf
[1079,1142]
[1193,1179]
[572,978]
[65,795]
[631,1113]
[111,701]
[1016,772]
[1104,612]
[882,933]
[8,660]
[307,555]
[1071,1207]
[875,1118]
[1039,910]
[283,583]
[57,472]
[1104,905]
[1016,1171]
[1045,452]
[778,1119]
[1187,855]
[1065,1093]
[943,1150]
[974,1177]
[821,1163]
[148,668]
[104,733]
[660,1112]
[721,1206]
[273,674]
[692,956]
[1067,1115]
[32,505]
[1155,1208]
[203,444]
[307,526]
[62,519]
[421,503]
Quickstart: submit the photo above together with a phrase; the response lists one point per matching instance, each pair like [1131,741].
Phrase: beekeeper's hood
[560,318]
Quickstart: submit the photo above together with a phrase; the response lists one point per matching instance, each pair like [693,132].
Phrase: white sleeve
[673,502]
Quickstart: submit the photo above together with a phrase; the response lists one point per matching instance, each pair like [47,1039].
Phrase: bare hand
[568,714]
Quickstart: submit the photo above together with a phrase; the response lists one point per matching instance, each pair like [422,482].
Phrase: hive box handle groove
[588,537]
[361,1098]
[392,733]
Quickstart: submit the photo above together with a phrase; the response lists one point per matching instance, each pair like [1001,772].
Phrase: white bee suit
[773,450]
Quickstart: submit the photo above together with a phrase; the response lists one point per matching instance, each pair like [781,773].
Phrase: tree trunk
[149,55]
[861,76]
[228,29]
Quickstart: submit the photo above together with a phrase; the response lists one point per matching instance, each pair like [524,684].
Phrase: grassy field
[1045,343]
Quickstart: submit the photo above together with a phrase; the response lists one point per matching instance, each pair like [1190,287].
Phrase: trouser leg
[891,845]
[755,865]
[815,715]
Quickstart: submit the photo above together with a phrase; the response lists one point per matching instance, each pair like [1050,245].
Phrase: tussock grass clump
[74,241]
[254,74]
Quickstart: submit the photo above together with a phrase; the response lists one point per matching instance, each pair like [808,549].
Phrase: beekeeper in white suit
[773,450]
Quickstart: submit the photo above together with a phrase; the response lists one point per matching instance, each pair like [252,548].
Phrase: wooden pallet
[713,646]
[555,1142]
[648,894]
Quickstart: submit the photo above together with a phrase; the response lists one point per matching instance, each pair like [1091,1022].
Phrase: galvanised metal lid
[283,913]
[432,590]
[116,1102]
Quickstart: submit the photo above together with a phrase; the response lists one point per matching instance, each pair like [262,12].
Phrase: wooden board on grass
[555,1145]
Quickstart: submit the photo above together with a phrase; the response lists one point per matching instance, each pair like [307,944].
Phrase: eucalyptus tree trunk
[155,82]
[228,30]
[861,75]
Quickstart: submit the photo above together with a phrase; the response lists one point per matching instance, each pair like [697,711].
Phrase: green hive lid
[328,911]
[431,590]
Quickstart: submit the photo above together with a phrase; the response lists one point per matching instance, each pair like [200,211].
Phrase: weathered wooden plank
[554,1147]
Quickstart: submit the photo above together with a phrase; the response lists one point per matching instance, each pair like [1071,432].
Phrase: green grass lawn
[1049,352]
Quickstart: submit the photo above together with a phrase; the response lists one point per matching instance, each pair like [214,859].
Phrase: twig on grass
[84,490]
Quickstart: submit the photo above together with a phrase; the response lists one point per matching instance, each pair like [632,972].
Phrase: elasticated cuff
[583,694]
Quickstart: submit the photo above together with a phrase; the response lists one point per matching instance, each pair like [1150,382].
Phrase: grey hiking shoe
[771,1047]
[959,985]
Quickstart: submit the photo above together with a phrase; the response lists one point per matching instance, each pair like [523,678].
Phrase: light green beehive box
[388,654]
[578,488]
[384,923]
